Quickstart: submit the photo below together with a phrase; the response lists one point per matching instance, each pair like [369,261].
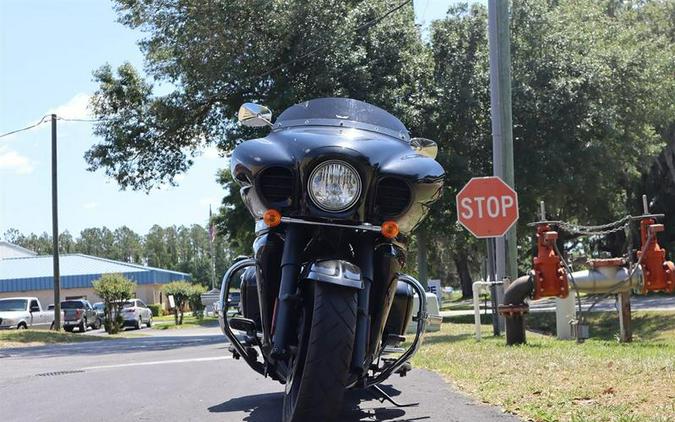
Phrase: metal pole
[625,328]
[55,233]
[212,249]
[493,288]
[502,141]
[490,265]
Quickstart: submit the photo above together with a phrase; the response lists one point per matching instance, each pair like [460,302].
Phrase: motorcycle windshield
[342,112]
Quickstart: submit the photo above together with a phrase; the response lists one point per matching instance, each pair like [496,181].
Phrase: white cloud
[12,161]
[75,108]
[90,205]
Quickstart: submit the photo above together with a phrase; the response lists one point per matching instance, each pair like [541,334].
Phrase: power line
[44,119]
[65,119]
[27,127]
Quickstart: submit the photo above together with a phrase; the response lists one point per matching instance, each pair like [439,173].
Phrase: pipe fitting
[515,308]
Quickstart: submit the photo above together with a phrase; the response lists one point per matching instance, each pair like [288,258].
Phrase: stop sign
[487,207]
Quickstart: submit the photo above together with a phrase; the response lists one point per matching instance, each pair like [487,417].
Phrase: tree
[217,55]
[114,289]
[592,97]
[128,245]
[181,292]
[233,221]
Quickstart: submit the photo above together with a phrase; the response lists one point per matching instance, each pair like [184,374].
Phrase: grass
[167,322]
[21,338]
[455,302]
[552,380]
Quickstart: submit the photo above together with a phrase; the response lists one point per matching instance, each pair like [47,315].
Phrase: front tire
[320,368]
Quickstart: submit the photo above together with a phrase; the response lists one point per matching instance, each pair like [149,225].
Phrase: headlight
[334,186]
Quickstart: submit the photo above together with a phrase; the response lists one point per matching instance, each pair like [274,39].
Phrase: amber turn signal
[389,229]
[272,217]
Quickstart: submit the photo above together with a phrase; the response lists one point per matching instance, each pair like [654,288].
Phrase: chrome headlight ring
[334,186]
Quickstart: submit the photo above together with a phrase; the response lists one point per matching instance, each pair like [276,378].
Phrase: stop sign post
[487,207]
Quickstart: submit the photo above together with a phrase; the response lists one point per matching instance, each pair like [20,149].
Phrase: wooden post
[624,317]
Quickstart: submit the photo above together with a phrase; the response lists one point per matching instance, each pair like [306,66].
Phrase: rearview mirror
[254,115]
[425,147]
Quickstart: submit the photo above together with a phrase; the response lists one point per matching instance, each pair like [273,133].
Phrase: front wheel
[320,367]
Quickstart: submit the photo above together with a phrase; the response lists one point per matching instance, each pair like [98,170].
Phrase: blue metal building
[32,276]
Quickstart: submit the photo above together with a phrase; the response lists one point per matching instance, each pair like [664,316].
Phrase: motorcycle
[335,189]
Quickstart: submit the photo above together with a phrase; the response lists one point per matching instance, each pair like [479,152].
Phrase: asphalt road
[188,375]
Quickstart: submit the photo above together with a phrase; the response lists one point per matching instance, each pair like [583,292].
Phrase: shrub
[156,309]
[183,294]
[114,289]
[195,300]
[180,290]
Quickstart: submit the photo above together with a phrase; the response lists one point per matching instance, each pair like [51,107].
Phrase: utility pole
[212,237]
[506,254]
[55,233]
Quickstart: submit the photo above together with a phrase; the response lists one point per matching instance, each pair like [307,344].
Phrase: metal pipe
[607,279]
[519,290]
[515,308]
[422,319]
[476,288]
[222,307]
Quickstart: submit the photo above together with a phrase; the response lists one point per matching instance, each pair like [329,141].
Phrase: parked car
[79,313]
[100,309]
[24,312]
[136,313]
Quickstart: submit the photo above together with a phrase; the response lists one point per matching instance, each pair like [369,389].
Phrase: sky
[48,51]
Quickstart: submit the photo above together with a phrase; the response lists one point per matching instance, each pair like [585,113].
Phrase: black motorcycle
[334,188]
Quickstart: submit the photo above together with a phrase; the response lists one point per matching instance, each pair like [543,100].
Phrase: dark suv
[79,313]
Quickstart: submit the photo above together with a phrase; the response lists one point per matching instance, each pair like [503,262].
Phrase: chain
[600,230]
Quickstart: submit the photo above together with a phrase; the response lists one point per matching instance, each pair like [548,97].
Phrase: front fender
[334,271]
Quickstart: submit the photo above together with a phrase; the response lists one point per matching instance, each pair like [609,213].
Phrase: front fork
[359,364]
[288,290]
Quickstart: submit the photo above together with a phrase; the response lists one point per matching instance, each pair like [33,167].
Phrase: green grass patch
[553,380]
[167,322]
[20,338]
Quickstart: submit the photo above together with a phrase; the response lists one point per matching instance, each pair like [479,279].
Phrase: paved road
[187,375]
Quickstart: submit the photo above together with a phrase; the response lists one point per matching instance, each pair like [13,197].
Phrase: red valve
[550,278]
[658,274]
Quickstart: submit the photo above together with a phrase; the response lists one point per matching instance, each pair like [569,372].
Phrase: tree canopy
[592,96]
[179,248]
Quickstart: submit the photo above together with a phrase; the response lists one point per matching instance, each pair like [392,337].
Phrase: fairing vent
[276,185]
[393,197]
